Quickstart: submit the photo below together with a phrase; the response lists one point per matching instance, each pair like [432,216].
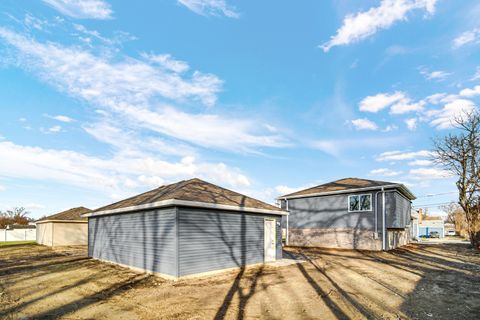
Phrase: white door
[270,240]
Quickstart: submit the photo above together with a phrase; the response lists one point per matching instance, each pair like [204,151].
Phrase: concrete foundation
[334,238]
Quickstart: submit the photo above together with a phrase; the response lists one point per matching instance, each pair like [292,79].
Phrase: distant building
[430,224]
[67,228]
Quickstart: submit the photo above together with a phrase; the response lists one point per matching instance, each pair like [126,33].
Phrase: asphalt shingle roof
[70,214]
[192,190]
[341,185]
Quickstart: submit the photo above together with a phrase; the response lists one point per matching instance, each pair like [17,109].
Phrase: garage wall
[44,233]
[70,234]
[214,240]
[143,239]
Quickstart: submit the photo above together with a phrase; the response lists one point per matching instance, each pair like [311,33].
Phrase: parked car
[451,232]
[434,234]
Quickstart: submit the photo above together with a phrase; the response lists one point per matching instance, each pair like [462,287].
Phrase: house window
[361,202]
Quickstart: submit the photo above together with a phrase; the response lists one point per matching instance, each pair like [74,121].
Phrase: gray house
[349,213]
[187,228]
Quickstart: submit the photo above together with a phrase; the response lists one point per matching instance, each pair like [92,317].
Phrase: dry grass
[440,281]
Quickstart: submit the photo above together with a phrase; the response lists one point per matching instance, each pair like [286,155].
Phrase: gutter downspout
[383,220]
[376,215]
[286,233]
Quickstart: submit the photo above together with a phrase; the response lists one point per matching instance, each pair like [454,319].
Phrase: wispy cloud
[385,172]
[398,102]
[380,101]
[420,162]
[402,155]
[109,175]
[82,9]
[364,124]
[361,25]
[444,118]
[411,124]
[471,36]
[211,8]
[438,75]
[429,174]
[61,118]
[141,92]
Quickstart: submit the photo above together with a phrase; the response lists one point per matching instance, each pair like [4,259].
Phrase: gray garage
[187,228]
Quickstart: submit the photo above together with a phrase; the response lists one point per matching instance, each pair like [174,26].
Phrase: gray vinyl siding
[329,211]
[213,240]
[398,210]
[142,239]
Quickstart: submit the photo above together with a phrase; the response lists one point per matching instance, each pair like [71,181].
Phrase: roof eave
[184,203]
[59,220]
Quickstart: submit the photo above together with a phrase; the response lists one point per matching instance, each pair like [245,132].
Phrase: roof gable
[193,190]
[346,185]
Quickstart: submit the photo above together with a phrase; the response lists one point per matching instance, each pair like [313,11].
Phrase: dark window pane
[354,203]
[365,202]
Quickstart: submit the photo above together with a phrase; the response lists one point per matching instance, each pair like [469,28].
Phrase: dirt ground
[420,281]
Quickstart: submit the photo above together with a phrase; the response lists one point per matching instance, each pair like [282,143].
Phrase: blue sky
[101,100]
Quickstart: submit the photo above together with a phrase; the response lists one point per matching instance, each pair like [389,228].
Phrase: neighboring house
[427,226]
[349,213]
[18,232]
[184,229]
[67,228]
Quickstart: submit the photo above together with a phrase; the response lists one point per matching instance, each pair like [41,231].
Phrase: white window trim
[359,195]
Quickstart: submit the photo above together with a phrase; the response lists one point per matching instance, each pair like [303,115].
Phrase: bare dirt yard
[420,281]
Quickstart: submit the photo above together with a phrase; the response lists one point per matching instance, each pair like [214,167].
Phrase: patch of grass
[16,243]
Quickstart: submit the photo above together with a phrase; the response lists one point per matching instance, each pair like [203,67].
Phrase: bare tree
[459,153]
[451,211]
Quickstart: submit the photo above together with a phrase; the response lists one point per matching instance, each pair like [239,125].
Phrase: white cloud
[134,90]
[110,175]
[470,92]
[364,124]
[429,173]
[361,25]
[55,129]
[466,38]
[390,127]
[82,9]
[167,61]
[444,118]
[2,188]
[411,123]
[61,118]
[434,75]
[400,155]
[420,163]
[380,101]
[406,105]
[385,172]
[398,102]
[210,8]
[436,98]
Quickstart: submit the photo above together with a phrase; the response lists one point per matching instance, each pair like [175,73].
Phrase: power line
[431,205]
[436,194]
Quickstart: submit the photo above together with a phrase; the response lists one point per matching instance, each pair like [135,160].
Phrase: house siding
[324,221]
[213,239]
[141,239]
[398,209]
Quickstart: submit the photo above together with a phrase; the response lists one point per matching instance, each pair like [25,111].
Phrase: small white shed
[66,228]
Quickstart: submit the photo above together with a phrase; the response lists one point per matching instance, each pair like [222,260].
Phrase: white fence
[17,234]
